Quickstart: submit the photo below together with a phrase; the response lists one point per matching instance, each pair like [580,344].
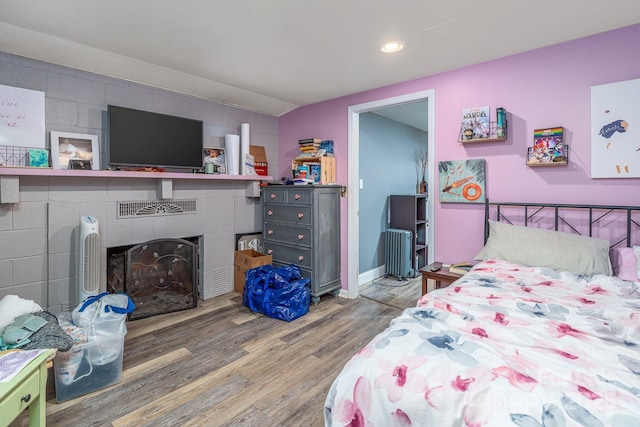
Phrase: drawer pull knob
[26,398]
[300,215]
[300,236]
[270,232]
[297,197]
[270,251]
[300,258]
[273,196]
[270,213]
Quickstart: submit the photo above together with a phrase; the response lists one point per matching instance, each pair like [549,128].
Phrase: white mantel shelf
[18,171]
[10,179]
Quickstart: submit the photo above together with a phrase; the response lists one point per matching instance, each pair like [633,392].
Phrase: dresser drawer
[274,195]
[298,196]
[288,255]
[294,215]
[288,234]
[19,399]
[293,196]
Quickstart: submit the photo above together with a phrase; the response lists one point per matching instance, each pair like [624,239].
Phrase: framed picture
[79,164]
[214,160]
[462,181]
[74,146]
[614,130]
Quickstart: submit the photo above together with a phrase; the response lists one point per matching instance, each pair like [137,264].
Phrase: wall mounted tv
[145,139]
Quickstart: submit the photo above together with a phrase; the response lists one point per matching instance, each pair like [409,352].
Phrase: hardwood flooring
[395,296]
[222,365]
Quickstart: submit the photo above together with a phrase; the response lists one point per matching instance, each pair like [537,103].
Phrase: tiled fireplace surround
[39,235]
[39,254]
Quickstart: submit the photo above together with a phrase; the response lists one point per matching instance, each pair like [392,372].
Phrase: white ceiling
[410,113]
[275,55]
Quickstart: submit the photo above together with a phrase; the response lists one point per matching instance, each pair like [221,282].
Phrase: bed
[543,331]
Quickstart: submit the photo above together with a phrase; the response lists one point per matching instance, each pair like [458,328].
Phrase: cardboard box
[259,160]
[327,168]
[246,260]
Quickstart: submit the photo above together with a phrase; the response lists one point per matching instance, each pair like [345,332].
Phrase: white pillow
[12,306]
[636,251]
[536,247]
[624,263]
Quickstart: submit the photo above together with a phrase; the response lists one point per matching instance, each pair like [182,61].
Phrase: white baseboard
[370,275]
[344,293]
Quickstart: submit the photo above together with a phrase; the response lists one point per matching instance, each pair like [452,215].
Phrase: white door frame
[353,256]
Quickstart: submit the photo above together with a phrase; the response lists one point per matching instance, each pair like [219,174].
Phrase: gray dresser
[302,227]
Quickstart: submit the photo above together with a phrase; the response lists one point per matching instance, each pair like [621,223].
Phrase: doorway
[354,231]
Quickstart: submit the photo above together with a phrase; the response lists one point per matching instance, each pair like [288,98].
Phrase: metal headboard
[593,216]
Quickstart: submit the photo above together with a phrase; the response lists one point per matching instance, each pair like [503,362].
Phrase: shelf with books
[548,148]
[322,169]
[477,126]
[559,160]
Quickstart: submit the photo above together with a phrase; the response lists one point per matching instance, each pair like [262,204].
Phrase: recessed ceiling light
[392,47]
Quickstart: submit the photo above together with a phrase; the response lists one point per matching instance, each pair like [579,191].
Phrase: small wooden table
[442,276]
[26,390]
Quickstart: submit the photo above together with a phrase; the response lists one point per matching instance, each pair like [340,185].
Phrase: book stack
[309,147]
[461,268]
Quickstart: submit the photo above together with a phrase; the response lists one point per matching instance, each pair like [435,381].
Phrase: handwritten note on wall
[22,117]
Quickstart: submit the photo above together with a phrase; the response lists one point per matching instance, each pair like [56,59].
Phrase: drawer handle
[270,213]
[26,398]
[300,257]
[300,236]
[297,197]
[273,195]
[270,232]
[270,251]
[300,215]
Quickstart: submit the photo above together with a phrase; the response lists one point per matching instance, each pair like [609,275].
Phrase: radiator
[398,256]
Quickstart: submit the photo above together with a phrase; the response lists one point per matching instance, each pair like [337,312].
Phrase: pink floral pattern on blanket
[506,345]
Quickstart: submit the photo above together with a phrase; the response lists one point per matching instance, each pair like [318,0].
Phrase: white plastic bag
[105,313]
[103,318]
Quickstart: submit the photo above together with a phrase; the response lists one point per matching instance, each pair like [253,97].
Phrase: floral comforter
[505,345]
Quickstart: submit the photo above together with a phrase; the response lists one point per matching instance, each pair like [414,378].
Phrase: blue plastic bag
[255,284]
[280,292]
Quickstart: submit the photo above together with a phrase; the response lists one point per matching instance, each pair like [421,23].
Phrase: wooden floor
[221,365]
[396,296]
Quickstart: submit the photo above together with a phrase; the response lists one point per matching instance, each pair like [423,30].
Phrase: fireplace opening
[160,276]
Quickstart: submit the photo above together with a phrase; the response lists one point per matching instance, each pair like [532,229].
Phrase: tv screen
[143,138]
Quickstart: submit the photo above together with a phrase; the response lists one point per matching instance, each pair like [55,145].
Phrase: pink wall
[542,88]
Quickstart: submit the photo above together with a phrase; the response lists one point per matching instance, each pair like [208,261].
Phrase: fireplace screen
[160,276]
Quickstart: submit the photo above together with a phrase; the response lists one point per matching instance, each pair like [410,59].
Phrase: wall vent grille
[156,208]
[221,284]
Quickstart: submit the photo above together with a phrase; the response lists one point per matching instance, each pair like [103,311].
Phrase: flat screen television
[145,139]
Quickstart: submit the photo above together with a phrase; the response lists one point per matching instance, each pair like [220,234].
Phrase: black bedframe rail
[532,209]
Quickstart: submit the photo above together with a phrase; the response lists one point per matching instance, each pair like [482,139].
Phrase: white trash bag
[103,317]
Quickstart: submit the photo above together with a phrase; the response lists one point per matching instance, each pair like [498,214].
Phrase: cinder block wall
[39,235]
